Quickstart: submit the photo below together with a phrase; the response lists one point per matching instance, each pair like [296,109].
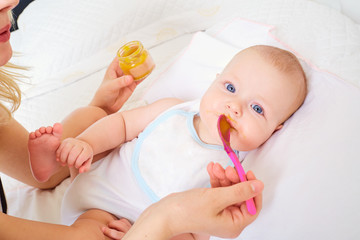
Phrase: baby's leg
[42,146]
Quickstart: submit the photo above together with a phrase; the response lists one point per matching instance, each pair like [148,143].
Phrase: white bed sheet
[323,36]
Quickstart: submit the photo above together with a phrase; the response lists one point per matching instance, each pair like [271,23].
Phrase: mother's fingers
[239,192]
[214,182]
[219,172]
[114,70]
[232,174]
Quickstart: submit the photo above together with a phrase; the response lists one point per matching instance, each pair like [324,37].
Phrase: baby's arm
[110,132]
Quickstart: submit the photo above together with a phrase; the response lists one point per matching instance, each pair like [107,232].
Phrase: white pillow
[311,167]
[350,8]
[55,35]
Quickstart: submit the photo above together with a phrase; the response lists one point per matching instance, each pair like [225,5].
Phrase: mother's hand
[219,211]
[114,90]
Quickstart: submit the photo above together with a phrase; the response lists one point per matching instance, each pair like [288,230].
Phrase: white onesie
[168,156]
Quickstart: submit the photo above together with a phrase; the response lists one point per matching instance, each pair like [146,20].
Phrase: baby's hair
[283,60]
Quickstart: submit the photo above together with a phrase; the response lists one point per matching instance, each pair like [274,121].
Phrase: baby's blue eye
[230,87]
[257,109]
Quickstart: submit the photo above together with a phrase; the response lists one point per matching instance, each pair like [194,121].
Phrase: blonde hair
[9,88]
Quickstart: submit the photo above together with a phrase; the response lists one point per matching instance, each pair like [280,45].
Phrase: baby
[166,146]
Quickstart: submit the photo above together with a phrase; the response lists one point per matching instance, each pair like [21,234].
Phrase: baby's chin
[245,148]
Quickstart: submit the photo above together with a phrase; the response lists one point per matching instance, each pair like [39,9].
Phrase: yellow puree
[224,126]
[135,60]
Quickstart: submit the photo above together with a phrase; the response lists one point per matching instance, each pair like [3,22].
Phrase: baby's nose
[235,109]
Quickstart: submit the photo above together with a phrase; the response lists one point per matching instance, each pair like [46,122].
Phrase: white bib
[170,157]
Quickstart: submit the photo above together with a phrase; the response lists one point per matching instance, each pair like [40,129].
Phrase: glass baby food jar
[135,60]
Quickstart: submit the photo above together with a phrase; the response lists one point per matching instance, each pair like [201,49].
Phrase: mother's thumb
[241,192]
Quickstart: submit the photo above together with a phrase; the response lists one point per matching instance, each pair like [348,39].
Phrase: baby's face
[256,98]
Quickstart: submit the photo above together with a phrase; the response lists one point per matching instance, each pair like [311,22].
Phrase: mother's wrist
[151,225]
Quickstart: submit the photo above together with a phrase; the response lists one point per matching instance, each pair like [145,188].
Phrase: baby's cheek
[252,141]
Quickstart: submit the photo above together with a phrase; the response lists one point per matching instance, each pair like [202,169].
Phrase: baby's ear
[279,127]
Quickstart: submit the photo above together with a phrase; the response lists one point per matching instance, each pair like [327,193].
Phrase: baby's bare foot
[42,145]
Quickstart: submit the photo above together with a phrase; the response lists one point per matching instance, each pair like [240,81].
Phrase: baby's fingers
[85,166]
[63,152]
[73,156]
[116,229]
[85,157]
[121,225]
[112,234]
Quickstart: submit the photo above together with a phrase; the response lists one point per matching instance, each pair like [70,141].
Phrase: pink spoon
[224,132]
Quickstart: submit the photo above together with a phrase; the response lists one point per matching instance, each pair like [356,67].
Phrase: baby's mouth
[230,120]
[233,122]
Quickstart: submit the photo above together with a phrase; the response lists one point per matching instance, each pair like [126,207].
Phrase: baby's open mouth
[233,122]
[230,120]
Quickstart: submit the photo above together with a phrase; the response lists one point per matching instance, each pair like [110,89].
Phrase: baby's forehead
[281,59]
[285,62]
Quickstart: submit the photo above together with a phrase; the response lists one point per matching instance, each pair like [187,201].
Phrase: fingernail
[256,186]
[253,187]
[127,78]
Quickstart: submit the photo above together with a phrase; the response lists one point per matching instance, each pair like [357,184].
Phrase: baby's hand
[75,153]
[117,229]
[220,177]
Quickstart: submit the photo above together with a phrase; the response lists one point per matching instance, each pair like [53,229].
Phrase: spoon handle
[250,202]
